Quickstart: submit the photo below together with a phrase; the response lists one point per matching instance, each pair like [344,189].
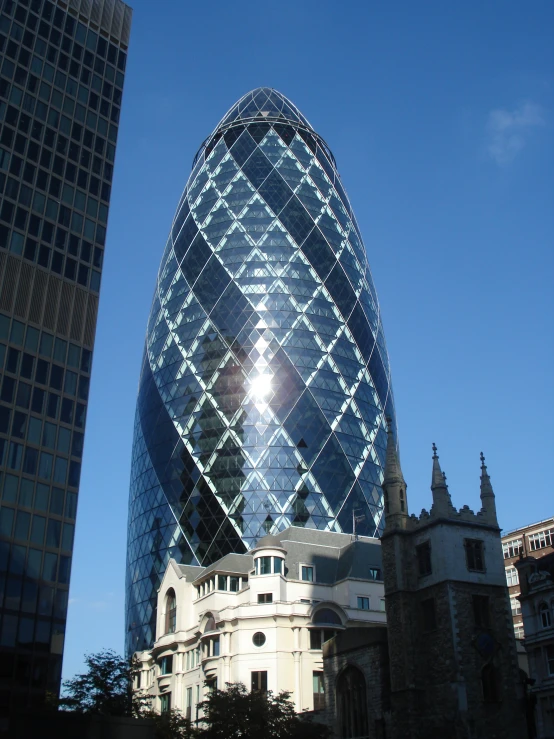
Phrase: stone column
[297,670]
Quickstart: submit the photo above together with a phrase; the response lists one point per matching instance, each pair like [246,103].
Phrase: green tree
[106,687]
[236,713]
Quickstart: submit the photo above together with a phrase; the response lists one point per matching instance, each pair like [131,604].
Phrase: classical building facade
[451,668]
[537,604]
[261,618]
[265,379]
[61,86]
[535,540]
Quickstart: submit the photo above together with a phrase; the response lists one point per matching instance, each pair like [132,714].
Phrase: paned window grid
[512,577]
[540,540]
[515,605]
[24,236]
[512,548]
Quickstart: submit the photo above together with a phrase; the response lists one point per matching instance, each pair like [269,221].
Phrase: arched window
[326,616]
[546,618]
[352,704]
[170,612]
[210,624]
[489,682]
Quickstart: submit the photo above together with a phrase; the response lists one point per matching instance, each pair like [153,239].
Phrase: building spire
[487,495]
[394,486]
[441,497]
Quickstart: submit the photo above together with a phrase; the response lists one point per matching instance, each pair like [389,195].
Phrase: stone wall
[366,649]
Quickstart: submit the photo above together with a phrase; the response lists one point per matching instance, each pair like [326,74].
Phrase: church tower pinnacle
[442,503]
[394,486]
[487,494]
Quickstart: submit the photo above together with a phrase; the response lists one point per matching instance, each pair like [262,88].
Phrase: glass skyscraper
[61,82]
[265,380]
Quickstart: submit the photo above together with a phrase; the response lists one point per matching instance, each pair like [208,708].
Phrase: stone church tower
[453,664]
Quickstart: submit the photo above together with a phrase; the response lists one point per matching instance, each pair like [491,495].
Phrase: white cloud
[508,130]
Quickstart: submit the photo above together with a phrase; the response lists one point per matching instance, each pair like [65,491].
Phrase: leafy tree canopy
[236,713]
[106,687]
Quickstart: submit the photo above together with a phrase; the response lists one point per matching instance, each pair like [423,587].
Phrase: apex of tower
[394,486]
[393,471]
[487,494]
[442,504]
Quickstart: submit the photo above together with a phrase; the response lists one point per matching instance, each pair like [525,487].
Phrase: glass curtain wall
[61,83]
[265,380]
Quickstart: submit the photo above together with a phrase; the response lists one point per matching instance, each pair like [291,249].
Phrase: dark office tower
[61,82]
[265,381]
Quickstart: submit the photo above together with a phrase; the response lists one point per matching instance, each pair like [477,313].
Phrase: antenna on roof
[356,519]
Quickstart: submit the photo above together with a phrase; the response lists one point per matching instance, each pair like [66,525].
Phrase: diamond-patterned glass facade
[265,381]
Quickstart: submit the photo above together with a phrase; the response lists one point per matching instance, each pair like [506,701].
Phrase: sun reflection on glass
[260,387]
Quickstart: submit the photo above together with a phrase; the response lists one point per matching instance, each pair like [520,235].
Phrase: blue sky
[440,118]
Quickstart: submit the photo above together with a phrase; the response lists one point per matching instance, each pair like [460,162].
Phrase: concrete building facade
[535,540]
[261,618]
[536,576]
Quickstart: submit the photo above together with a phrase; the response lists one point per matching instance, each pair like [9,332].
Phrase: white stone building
[261,618]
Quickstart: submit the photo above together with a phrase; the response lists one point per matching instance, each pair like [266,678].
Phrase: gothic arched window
[352,704]
[170,612]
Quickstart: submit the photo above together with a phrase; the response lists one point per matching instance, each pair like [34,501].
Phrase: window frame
[319,695]
[170,612]
[361,599]
[307,567]
[260,679]
[475,555]
[510,579]
[424,563]
[481,606]
[544,539]
[545,620]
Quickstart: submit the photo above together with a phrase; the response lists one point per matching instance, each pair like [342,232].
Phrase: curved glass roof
[263,102]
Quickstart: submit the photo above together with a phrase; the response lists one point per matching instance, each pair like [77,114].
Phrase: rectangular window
[221,582]
[264,565]
[363,603]
[277,565]
[515,605]
[307,573]
[428,614]
[188,712]
[259,681]
[382,605]
[550,659]
[166,665]
[315,638]
[215,647]
[165,702]
[265,597]
[475,558]
[541,540]
[233,584]
[319,691]
[481,611]
[423,552]
[512,576]
[518,631]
